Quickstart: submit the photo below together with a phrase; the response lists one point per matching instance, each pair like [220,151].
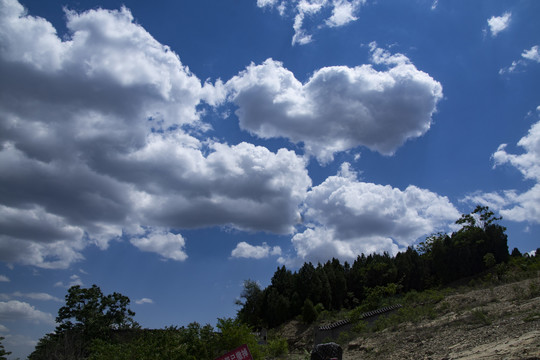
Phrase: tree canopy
[92,311]
[480,244]
[87,315]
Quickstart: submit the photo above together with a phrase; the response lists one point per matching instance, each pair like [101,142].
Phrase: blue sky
[171,150]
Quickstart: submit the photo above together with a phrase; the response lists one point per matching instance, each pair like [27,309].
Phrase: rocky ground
[499,322]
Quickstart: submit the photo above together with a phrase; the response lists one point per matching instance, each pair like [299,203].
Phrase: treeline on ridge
[480,244]
[93,325]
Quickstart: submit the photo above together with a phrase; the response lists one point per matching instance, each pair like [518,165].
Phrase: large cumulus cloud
[94,144]
[338,108]
[346,217]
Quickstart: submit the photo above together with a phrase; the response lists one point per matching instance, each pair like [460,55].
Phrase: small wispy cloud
[4,278]
[144,301]
[37,296]
[342,13]
[33,296]
[245,250]
[533,54]
[73,280]
[14,310]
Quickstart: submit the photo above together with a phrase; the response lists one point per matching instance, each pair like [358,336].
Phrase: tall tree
[94,312]
[251,305]
[87,315]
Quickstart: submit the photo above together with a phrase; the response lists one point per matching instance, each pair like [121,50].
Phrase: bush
[235,333]
[479,316]
[277,348]
[309,314]
[489,260]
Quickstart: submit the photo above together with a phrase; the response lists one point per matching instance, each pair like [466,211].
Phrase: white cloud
[499,23]
[262,3]
[435,4]
[523,206]
[338,108]
[73,280]
[144,301]
[94,144]
[3,329]
[4,278]
[244,186]
[19,345]
[532,54]
[168,245]
[527,163]
[512,204]
[245,250]
[341,13]
[21,311]
[346,217]
[37,296]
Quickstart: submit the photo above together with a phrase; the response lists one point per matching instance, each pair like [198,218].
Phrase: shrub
[479,316]
[277,348]
[309,314]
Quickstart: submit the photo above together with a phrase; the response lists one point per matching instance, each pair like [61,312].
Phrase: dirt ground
[501,322]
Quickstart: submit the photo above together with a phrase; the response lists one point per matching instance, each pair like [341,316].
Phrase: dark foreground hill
[495,322]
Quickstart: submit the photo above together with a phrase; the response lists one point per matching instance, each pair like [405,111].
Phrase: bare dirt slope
[501,322]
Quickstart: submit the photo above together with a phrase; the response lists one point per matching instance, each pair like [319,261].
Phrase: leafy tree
[251,307]
[3,352]
[489,260]
[233,334]
[277,347]
[87,315]
[94,312]
[147,345]
[309,314]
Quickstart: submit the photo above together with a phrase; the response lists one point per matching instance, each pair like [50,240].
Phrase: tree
[88,315]
[277,308]
[489,260]
[233,334]
[94,312]
[3,352]
[251,307]
[309,314]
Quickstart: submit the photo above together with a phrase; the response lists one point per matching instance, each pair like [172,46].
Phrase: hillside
[497,322]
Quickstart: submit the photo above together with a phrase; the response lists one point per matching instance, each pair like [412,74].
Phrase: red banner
[240,353]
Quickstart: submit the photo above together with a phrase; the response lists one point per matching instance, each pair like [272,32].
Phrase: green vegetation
[94,326]
[480,245]
[309,314]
